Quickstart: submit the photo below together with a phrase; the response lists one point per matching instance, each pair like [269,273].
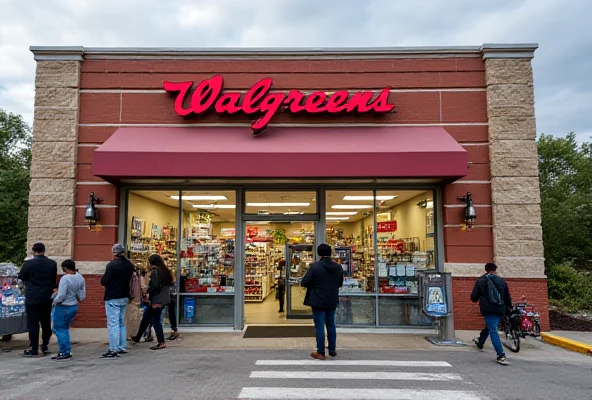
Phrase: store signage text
[260,101]
[386,226]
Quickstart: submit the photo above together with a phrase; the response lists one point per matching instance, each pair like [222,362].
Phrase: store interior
[278,254]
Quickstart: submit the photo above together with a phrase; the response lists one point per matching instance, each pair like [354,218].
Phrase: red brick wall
[466,313]
[91,313]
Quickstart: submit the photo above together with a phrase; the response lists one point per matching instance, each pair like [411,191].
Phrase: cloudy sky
[563,63]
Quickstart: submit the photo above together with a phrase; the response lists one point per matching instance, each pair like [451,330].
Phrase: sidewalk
[531,348]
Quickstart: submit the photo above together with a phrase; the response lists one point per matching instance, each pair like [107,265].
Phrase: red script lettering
[258,101]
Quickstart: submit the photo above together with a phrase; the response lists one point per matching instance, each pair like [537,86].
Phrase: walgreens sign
[264,105]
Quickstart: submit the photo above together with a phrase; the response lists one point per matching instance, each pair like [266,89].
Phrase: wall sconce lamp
[470,214]
[91,214]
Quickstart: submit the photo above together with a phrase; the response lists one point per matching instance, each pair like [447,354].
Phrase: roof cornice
[78,53]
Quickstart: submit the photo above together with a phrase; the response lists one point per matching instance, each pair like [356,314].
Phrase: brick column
[53,169]
[518,238]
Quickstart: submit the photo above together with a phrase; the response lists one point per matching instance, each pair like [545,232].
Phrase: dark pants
[38,314]
[173,313]
[321,319]
[281,296]
[151,315]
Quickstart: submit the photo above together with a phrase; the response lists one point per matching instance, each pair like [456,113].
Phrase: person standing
[39,275]
[116,281]
[494,299]
[159,296]
[322,281]
[71,291]
[172,310]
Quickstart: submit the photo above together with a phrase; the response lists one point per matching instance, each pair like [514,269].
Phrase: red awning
[281,152]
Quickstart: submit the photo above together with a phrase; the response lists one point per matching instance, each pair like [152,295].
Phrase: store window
[206,275]
[350,232]
[286,203]
[405,248]
[152,228]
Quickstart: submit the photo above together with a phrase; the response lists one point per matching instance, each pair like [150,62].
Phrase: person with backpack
[494,299]
[116,280]
[159,296]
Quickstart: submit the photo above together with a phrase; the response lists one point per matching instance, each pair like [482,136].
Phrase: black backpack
[493,295]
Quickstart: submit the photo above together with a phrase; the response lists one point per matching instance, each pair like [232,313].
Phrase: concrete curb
[568,344]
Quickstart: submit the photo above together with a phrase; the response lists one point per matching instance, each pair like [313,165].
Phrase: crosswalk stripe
[279,393]
[382,363]
[407,376]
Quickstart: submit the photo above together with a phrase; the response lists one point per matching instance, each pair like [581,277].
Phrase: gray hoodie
[71,291]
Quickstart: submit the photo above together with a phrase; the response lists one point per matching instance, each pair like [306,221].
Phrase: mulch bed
[563,322]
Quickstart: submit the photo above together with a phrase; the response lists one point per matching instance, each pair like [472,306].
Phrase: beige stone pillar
[518,238]
[53,170]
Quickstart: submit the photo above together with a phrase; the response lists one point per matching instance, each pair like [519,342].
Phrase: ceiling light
[341,212]
[293,213]
[213,206]
[204,198]
[336,218]
[350,206]
[278,204]
[361,198]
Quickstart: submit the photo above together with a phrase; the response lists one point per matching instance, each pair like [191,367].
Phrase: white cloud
[562,63]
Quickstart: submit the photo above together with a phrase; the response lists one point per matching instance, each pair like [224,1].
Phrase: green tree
[566,200]
[15,162]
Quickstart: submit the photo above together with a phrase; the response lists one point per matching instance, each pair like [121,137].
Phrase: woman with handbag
[159,296]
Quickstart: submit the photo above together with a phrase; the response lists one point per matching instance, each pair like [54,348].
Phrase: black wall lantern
[470,214]
[91,214]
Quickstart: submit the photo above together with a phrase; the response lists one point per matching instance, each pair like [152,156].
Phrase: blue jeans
[62,318]
[116,323]
[491,329]
[321,319]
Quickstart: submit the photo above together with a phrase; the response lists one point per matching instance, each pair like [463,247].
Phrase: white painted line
[360,394]
[382,363]
[396,376]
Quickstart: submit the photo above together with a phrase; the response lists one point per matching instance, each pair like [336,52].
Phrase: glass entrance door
[298,260]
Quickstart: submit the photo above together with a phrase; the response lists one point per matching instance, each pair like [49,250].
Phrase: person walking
[71,292]
[39,275]
[116,281]
[159,296]
[322,282]
[494,299]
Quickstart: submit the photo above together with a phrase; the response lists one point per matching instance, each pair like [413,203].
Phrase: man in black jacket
[322,281]
[116,281]
[493,304]
[39,275]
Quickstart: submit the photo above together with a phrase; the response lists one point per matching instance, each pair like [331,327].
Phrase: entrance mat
[279,331]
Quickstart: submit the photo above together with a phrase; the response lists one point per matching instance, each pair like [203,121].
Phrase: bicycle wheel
[512,337]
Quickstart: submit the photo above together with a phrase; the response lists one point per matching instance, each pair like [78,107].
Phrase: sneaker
[479,346]
[30,353]
[333,354]
[318,356]
[174,335]
[62,357]
[122,352]
[110,354]
[502,360]
[45,349]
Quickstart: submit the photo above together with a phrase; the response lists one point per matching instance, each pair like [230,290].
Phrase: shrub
[569,289]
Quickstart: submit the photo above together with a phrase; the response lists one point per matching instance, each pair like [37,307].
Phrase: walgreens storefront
[235,164]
